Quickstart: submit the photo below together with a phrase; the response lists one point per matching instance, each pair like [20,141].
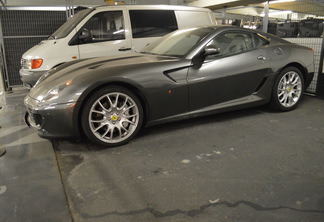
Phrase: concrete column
[1,80]
[224,16]
[69,8]
[266,17]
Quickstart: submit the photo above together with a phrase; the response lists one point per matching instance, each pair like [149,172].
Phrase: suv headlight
[31,63]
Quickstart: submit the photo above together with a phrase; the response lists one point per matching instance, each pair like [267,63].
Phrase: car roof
[154,7]
[231,27]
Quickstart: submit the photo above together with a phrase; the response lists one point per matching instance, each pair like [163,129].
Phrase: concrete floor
[30,182]
[248,165]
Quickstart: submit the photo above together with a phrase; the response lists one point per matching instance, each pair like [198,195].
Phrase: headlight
[31,63]
[53,93]
[45,75]
[42,78]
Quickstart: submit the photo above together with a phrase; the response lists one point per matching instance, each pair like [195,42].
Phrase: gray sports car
[188,73]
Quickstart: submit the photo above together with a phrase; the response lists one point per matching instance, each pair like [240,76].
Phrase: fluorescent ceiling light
[278,13]
[39,8]
[278,1]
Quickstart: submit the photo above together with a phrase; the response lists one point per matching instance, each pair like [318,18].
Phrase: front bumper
[29,78]
[51,121]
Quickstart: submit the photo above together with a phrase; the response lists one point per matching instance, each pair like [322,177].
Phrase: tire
[287,89]
[112,116]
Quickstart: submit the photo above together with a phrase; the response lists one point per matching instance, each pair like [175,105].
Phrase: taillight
[36,63]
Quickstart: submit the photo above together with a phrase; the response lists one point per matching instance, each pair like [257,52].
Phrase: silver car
[188,73]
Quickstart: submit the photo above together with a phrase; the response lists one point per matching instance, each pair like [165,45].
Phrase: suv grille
[22,62]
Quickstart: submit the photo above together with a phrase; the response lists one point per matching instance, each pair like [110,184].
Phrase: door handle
[122,49]
[261,57]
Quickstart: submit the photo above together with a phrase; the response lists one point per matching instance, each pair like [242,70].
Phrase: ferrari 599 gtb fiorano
[188,73]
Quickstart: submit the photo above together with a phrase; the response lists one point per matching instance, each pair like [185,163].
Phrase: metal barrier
[19,31]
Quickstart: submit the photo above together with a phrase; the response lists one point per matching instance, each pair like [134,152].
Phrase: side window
[230,43]
[105,26]
[260,40]
[152,23]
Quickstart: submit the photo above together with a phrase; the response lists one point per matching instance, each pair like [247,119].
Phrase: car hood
[38,50]
[85,72]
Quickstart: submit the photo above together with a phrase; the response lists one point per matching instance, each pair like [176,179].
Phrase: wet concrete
[249,165]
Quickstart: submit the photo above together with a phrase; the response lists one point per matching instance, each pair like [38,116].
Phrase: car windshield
[70,24]
[177,43]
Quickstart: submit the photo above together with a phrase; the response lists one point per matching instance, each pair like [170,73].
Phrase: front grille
[35,118]
[22,62]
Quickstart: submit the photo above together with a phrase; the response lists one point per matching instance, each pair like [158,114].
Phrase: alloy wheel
[289,89]
[114,117]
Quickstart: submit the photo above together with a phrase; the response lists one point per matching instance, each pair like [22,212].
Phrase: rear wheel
[287,90]
[112,116]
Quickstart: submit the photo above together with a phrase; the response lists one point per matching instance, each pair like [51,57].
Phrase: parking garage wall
[21,30]
[316,45]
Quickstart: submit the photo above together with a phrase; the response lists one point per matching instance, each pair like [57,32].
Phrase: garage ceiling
[307,7]
[248,7]
[214,5]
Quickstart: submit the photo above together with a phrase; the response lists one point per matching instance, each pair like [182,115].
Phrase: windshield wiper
[149,53]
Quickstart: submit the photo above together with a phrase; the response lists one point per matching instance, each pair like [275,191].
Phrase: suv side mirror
[85,36]
[211,50]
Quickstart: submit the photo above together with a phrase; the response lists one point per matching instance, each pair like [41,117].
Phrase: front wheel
[287,90]
[112,116]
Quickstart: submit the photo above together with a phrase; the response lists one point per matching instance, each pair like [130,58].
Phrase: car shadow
[199,121]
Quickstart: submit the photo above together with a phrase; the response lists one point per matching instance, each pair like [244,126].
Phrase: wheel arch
[92,89]
[297,65]
[274,99]
[57,65]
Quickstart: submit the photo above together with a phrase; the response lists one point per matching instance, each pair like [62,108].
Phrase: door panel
[225,79]
[108,48]
[106,35]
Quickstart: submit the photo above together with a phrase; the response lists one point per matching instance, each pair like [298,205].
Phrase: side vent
[261,84]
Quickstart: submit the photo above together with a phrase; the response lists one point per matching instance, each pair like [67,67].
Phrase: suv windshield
[70,24]
[177,43]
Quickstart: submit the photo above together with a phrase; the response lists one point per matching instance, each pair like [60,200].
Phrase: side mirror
[211,50]
[201,57]
[85,36]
